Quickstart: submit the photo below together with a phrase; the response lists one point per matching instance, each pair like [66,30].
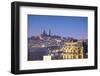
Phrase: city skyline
[65,26]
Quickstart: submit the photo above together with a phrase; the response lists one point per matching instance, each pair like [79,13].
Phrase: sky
[65,26]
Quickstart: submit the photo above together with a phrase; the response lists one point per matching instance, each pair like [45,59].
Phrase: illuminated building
[72,50]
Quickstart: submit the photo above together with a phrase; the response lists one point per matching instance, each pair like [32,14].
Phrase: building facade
[72,50]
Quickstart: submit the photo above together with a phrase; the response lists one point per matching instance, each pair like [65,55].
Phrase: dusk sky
[65,26]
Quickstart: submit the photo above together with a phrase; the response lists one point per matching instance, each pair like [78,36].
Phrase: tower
[49,32]
[44,32]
